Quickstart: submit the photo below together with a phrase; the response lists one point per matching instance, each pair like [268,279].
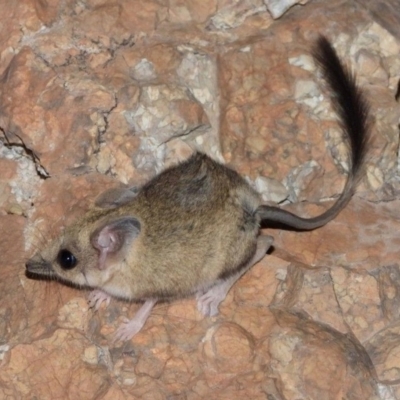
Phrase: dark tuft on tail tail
[353,111]
[349,102]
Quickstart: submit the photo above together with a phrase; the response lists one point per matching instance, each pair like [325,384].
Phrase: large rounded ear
[113,198]
[113,236]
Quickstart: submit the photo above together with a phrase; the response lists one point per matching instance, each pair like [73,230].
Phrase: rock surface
[97,94]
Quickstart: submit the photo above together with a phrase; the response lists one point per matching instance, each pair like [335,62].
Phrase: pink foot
[97,297]
[208,302]
[130,328]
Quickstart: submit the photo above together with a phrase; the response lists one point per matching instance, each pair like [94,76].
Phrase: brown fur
[198,223]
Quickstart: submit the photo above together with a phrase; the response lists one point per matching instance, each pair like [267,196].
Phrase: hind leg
[209,301]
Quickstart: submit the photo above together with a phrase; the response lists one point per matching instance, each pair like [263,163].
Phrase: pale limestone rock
[304,61]
[162,113]
[300,178]
[199,73]
[375,177]
[144,71]
[234,15]
[278,7]
[3,351]
[90,355]
[271,189]
[74,315]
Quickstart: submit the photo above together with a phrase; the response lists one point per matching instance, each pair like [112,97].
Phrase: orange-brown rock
[98,94]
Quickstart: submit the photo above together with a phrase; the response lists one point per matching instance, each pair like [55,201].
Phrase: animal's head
[87,251]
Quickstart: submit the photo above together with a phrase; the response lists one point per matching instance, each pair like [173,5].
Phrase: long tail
[353,109]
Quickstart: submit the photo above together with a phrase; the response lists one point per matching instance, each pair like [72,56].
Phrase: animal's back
[206,226]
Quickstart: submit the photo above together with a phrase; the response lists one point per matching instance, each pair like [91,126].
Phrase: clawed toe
[97,297]
[130,328]
[208,304]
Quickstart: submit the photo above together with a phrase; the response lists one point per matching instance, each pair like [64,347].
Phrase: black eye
[66,259]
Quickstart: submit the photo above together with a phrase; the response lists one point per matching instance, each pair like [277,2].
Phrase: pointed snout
[38,267]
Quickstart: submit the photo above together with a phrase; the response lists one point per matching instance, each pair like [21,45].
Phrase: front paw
[97,297]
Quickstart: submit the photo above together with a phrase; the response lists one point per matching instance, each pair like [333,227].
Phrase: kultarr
[195,228]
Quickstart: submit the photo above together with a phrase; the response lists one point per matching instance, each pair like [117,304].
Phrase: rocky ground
[96,94]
